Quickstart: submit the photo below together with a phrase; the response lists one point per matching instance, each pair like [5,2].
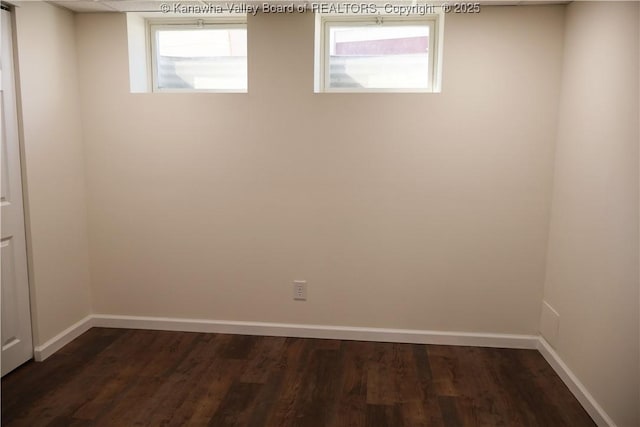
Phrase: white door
[17,344]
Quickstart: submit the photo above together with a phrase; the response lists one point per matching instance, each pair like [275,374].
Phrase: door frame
[10,8]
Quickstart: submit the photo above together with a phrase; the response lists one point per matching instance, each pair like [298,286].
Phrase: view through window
[200,58]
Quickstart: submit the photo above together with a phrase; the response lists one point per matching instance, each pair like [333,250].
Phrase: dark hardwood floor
[118,377]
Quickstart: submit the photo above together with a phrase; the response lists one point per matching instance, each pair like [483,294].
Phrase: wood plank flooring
[119,377]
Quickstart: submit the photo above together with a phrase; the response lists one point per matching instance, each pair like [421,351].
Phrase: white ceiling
[154,5]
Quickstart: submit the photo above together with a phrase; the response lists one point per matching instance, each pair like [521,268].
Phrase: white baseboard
[318,331]
[412,336]
[45,350]
[581,393]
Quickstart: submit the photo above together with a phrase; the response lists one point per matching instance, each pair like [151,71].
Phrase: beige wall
[592,276]
[403,210]
[54,168]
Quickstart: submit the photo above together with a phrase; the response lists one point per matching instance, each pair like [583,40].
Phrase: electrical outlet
[300,290]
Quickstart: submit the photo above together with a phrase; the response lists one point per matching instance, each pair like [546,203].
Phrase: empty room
[299,213]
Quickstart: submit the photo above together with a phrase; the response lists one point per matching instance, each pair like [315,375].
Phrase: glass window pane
[379,57]
[202,59]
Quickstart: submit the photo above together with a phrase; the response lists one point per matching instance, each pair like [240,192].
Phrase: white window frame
[153,26]
[325,22]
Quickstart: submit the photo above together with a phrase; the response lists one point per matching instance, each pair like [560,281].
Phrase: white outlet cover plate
[300,290]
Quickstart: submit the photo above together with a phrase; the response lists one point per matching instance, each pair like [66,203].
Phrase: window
[378,53]
[199,56]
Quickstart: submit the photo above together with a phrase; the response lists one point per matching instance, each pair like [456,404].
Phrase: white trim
[318,331]
[45,350]
[578,389]
[324,21]
[413,336]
